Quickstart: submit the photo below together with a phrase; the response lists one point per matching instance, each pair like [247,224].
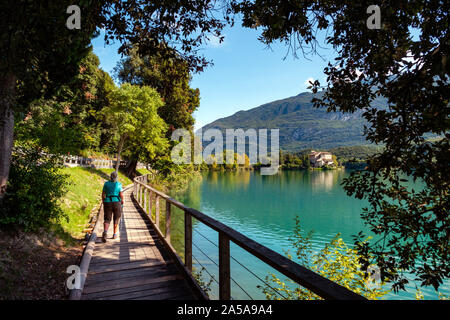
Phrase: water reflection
[229,181]
[265,206]
[324,180]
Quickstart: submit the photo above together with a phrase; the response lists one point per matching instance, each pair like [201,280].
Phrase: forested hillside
[301,124]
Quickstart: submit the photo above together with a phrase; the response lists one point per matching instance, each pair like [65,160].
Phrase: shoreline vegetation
[349,157]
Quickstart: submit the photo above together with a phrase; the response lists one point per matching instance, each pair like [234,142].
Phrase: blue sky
[245,74]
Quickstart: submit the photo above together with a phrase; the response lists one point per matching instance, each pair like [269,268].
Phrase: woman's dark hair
[113,176]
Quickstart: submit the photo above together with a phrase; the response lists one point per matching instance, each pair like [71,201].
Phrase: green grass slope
[84,193]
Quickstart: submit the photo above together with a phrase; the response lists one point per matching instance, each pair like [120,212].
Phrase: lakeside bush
[34,188]
[335,261]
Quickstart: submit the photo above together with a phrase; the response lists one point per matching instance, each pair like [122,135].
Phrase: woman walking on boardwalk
[112,198]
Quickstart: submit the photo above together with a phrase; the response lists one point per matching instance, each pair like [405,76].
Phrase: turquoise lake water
[264,208]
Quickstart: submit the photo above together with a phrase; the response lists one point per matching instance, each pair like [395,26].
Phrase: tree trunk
[119,150]
[7,98]
[130,170]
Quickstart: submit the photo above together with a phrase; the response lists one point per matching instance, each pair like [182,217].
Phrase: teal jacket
[112,191]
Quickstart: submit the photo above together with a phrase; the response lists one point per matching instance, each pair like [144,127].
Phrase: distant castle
[319,159]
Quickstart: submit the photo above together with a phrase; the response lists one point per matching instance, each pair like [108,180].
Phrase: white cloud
[214,42]
[307,82]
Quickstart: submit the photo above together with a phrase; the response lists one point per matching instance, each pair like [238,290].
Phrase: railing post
[224,267]
[136,191]
[150,204]
[145,200]
[188,240]
[168,221]
[139,193]
[157,211]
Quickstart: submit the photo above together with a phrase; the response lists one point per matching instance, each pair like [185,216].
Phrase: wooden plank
[224,267]
[124,251]
[121,291]
[131,258]
[102,258]
[110,247]
[160,253]
[127,272]
[125,266]
[130,283]
[129,242]
[142,236]
[153,294]
[99,280]
[125,248]
[162,296]
[120,277]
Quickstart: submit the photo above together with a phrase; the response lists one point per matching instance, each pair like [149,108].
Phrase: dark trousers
[112,209]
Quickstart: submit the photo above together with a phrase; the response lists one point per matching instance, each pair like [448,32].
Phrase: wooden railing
[321,286]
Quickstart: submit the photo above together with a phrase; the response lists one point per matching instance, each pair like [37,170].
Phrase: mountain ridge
[301,125]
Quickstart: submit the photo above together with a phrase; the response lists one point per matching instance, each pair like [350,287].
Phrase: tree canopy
[170,77]
[38,53]
[405,61]
[70,120]
[133,114]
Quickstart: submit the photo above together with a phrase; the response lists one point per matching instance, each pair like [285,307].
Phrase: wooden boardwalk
[143,265]
[134,266]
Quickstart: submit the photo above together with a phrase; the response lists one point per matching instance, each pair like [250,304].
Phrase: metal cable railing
[248,295]
[255,275]
[204,268]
